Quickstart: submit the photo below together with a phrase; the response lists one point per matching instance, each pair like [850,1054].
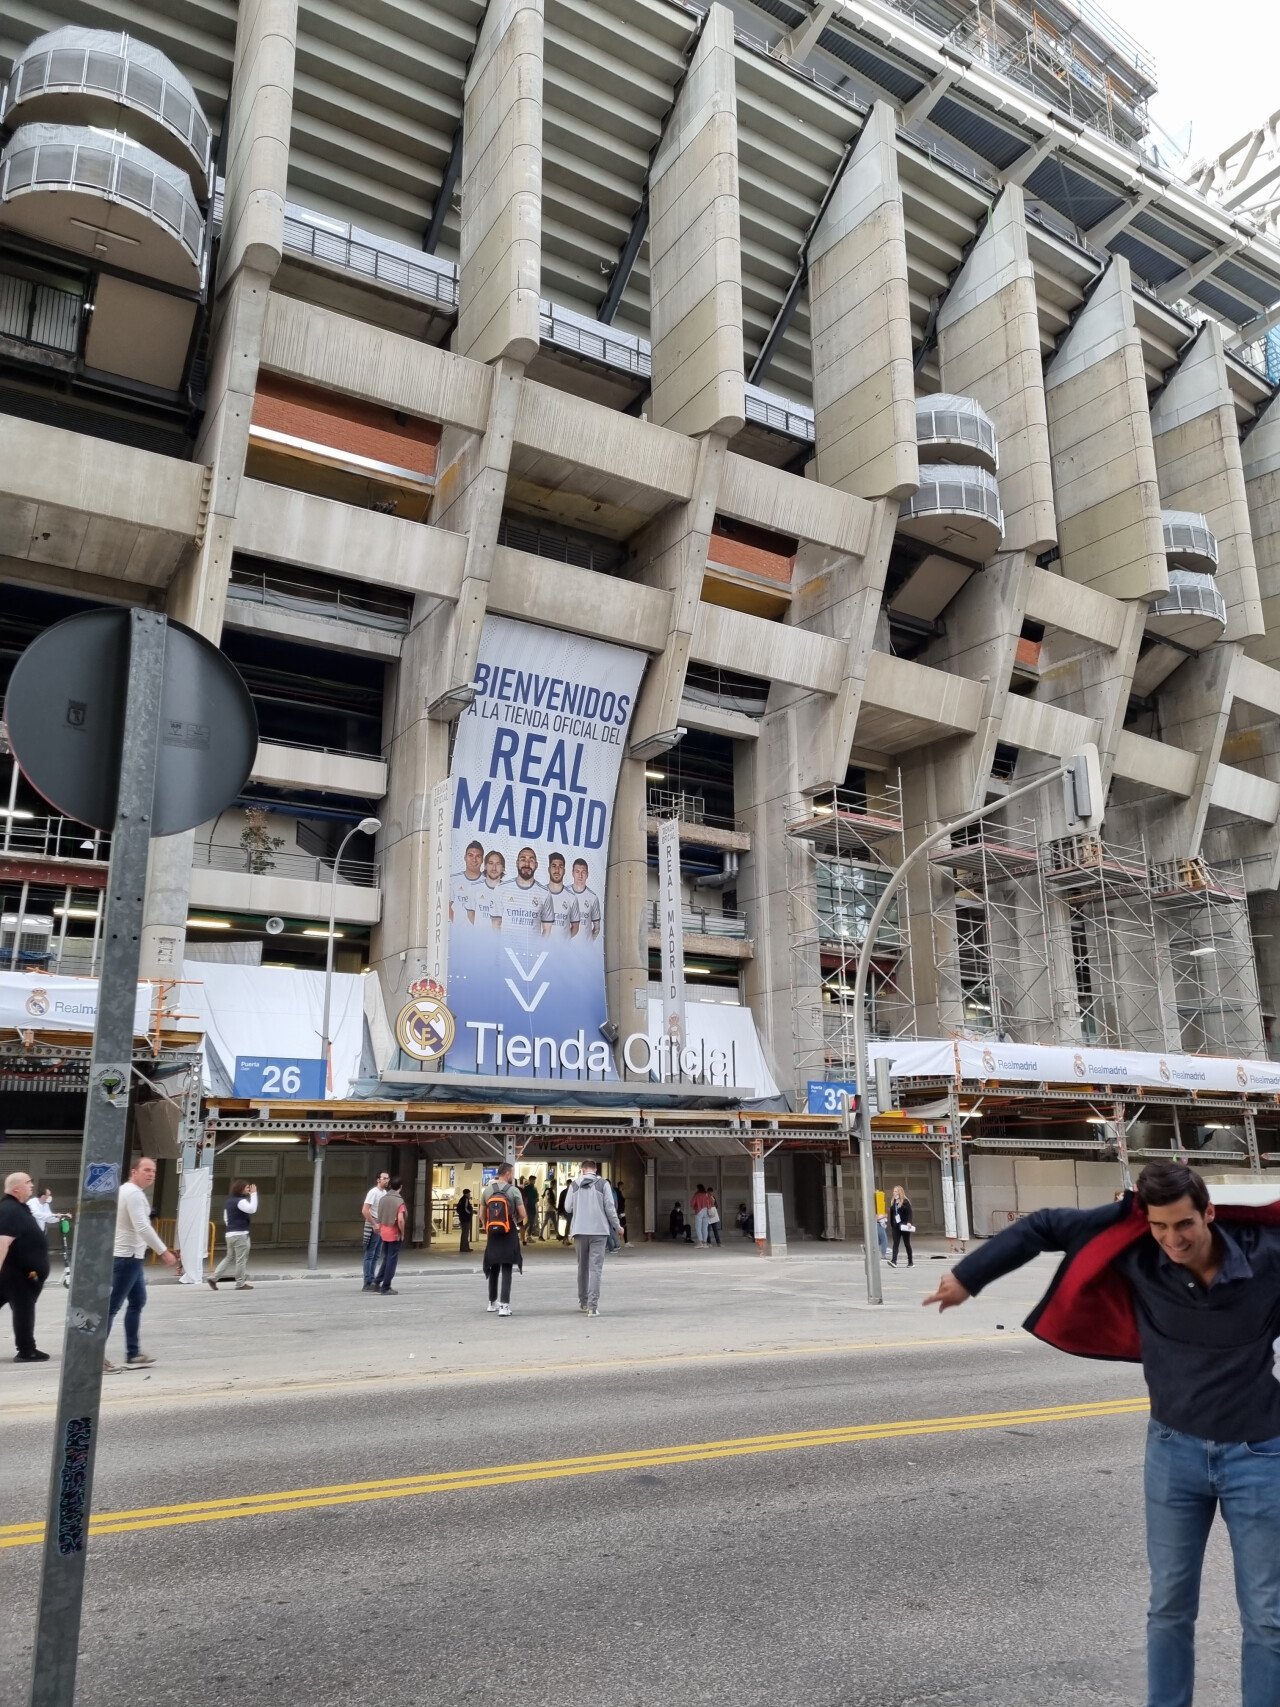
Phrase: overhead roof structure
[379,95]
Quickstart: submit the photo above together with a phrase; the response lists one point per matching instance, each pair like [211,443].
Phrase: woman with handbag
[901,1226]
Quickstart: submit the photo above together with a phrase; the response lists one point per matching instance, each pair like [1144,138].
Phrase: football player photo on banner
[534,772]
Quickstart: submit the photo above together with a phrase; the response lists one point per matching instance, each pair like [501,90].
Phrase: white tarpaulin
[1060,1064]
[192,1237]
[273,1011]
[731,1030]
[35,1002]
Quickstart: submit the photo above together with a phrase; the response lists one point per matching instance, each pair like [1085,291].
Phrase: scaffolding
[1205,913]
[990,933]
[1112,947]
[845,844]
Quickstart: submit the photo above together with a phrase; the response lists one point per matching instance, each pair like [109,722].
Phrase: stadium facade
[846,371]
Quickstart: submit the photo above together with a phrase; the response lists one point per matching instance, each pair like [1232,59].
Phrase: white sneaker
[504,1309]
[493,1309]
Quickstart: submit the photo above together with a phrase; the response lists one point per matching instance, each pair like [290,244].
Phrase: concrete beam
[318,771]
[1245,795]
[790,504]
[534,589]
[292,897]
[341,354]
[1155,764]
[1059,603]
[95,507]
[359,545]
[695,268]
[860,318]
[1040,727]
[754,646]
[500,251]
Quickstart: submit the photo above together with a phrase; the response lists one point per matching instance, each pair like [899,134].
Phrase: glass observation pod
[956,510]
[105,196]
[1193,613]
[111,82]
[956,430]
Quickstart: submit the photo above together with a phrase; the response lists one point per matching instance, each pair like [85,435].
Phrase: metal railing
[727,923]
[305,868]
[52,838]
[689,809]
[70,157]
[40,314]
[67,67]
[355,604]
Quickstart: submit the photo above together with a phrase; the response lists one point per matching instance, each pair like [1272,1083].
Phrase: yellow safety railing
[167,1227]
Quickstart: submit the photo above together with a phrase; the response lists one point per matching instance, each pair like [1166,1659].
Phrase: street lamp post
[366,827]
[871,1247]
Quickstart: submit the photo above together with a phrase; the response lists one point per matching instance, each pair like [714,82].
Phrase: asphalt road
[894,1557]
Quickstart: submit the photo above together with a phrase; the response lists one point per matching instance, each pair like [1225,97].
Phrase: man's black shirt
[1208,1353]
[29,1252]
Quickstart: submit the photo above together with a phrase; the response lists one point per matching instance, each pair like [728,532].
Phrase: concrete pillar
[1106,492]
[989,349]
[1200,466]
[626,933]
[1260,465]
[860,320]
[695,270]
[258,118]
[1195,713]
[500,252]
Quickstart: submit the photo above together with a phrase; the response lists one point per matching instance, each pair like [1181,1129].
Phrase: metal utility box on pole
[112,717]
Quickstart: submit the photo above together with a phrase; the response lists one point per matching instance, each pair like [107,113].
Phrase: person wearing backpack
[593,1215]
[391,1219]
[502,1213]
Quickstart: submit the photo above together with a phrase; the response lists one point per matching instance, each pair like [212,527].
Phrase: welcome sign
[534,774]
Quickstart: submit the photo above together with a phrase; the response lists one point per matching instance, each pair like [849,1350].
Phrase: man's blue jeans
[129,1287]
[1187,1479]
[372,1251]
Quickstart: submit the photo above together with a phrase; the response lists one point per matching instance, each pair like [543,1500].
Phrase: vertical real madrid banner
[535,769]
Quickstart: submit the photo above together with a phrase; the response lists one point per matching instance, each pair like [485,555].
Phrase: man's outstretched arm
[1043,1230]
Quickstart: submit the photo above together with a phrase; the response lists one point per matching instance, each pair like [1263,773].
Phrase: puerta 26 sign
[534,773]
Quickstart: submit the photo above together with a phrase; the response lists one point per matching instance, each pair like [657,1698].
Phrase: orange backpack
[497,1213]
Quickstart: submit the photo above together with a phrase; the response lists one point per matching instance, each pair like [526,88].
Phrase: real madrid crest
[425,1028]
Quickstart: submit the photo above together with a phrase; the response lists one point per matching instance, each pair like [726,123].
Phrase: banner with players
[534,772]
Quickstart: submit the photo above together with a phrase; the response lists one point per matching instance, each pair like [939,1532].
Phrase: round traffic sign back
[65,714]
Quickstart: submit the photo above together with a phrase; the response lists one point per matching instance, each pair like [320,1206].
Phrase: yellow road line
[553,1469]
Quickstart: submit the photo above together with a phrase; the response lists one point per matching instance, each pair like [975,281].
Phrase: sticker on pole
[111,1083]
[101,1179]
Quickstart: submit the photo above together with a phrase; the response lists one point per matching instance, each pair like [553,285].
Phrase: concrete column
[859,314]
[1195,712]
[1260,465]
[258,119]
[989,349]
[1200,466]
[672,553]
[626,935]
[695,270]
[500,259]
[1104,468]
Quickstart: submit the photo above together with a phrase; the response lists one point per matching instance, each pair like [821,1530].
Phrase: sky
[1217,65]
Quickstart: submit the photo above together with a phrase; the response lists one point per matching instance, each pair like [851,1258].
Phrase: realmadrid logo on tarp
[424,1027]
[37,1004]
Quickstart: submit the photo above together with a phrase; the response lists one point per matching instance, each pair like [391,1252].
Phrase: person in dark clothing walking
[391,1219]
[466,1213]
[1191,1289]
[901,1226]
[562,1215]
[24,1265]
[529,1191]
[502,1213]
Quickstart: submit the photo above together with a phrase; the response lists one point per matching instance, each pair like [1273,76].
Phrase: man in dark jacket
[1193,1293]
[24,1265]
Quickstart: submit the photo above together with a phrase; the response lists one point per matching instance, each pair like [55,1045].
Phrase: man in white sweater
[134,1234]
[593,1215]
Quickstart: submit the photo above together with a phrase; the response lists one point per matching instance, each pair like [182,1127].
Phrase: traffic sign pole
[53,1677]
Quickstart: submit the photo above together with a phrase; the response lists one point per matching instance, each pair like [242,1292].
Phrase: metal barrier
[167,1227]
